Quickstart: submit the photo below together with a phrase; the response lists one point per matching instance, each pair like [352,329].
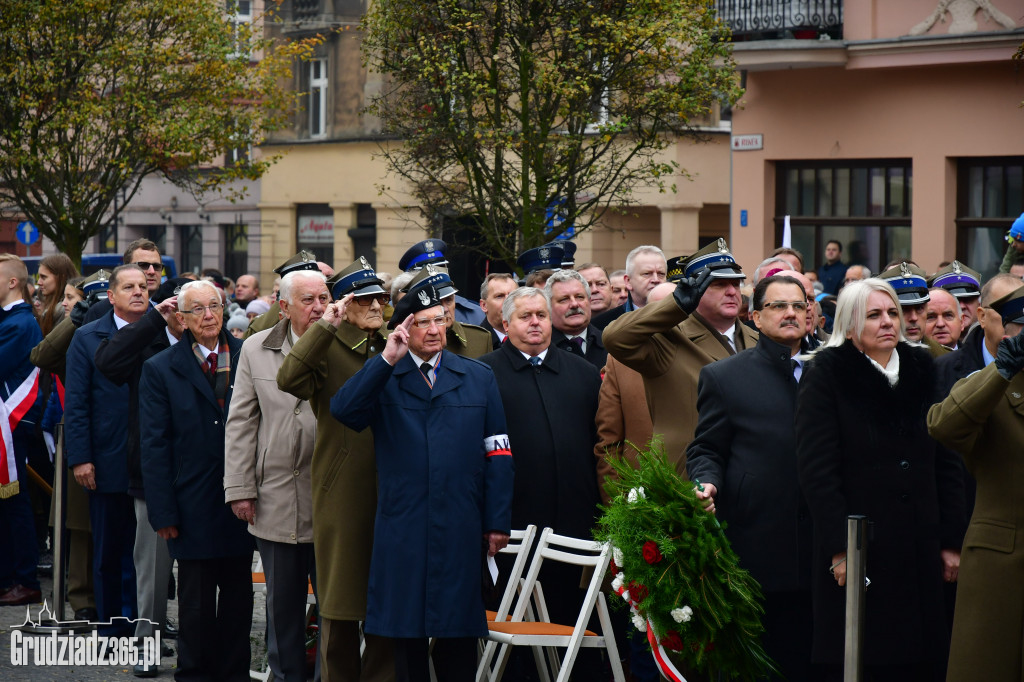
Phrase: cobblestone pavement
[15,615]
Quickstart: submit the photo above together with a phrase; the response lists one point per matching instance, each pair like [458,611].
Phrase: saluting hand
[167,308]
[335,312]
[398,343]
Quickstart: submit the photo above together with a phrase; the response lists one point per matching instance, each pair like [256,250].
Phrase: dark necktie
[535,361]
[578,343]
[427,368]
[211,365]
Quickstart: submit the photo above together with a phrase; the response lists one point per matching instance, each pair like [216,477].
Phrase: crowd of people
[376,439]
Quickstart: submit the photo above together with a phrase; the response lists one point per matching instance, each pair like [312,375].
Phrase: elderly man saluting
[267,477]
[444,488]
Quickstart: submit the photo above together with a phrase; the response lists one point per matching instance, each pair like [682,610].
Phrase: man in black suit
[493,291]
[744,455]
[569,294]
[184,394]
[120,358]
[550,401]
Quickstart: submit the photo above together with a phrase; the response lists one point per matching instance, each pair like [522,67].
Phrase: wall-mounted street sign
[747,143]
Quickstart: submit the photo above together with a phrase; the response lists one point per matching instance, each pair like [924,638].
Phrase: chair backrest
[519,544]
[575,551]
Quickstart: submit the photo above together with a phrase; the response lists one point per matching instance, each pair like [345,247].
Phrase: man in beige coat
[669,345]
[344,472]
[267,480]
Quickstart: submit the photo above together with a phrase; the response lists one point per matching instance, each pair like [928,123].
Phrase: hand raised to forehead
[398,343]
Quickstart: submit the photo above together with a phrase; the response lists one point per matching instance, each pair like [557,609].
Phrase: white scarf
[891,370]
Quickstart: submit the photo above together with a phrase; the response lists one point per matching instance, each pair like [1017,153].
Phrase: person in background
[55,271]
[600,289]
[833,270]
[943,319]
[617,283]
[495,288]
[247,289]
[646,268]
[855,273]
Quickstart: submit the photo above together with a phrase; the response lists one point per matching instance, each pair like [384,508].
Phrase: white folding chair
[543,633]
[519,545]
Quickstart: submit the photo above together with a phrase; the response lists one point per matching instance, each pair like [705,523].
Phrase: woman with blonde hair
[863,448]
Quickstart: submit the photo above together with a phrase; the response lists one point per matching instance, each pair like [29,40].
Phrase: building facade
[894,127]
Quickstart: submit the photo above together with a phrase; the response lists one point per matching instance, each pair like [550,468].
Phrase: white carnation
[639,622]
[617,582]
[617,556]
[682,615]
[635,494]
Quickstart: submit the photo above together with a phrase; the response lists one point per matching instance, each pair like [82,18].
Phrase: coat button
[904,465]
[297,410]
[373,349]
[215,422]
[293,536]
[1015,394]
[296,472]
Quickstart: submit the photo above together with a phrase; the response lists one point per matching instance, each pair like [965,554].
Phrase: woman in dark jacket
[863,448]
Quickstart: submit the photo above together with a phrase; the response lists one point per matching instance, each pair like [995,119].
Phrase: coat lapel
[449,377]
[185,364]
[410,378]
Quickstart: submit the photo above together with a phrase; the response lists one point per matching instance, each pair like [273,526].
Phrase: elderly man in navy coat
[444,489]
[744,454]
[96,427]
[183,403]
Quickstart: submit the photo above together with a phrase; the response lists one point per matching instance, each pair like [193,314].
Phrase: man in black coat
[550,401]
[572,331]
[744,455]
[184,395]
[120,358]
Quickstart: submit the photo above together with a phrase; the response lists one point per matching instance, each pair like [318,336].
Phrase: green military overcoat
[343,469]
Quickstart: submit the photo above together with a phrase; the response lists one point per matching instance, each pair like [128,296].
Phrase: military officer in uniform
[303,260]
[467,340]
[333,349]
[911,288]
[965,285]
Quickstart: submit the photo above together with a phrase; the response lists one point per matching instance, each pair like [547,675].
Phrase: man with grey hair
[569,294]
[184,396]
[767,265]
[855,273]
[550,402]
[646,268]
[267,469]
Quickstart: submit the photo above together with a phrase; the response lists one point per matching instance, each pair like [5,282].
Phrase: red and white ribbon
[657,650]
[11,412]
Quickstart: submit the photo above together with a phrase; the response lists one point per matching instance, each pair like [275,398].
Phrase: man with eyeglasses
[462,338]
[744,455]
[343,475]
[445,489]
[670,341]
[184,396]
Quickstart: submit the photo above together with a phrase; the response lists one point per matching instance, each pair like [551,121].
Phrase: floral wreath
[677,571]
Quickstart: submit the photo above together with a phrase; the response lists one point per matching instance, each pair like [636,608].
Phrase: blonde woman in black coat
[863,448]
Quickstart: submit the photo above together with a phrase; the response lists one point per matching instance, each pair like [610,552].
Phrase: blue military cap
[426,251]
[909,282]
[303,260]
[423,297]
[359,278]
[568,252]
[435,276]
[97,281]
[959,280]
[716,256]
[547,257]
[1011,306]
[676,268]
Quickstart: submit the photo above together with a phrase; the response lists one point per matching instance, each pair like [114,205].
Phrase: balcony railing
[779,19]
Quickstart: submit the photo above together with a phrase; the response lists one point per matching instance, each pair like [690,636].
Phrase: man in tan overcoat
[669,345]
[267,463]
[344,476]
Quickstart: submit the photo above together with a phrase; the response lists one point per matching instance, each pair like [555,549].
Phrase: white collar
[891,370]
[543,354]
[11,305]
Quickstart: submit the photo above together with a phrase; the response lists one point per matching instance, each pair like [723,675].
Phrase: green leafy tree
[95,95]
[518,114]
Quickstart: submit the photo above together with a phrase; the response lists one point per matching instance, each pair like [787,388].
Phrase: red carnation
[637,592]
[611,565]
[672,641]
[652,554]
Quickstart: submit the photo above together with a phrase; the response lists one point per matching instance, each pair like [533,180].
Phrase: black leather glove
[1010,356]
[688,291]
[78,313]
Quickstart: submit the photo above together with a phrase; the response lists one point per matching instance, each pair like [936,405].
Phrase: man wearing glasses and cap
[466,340]
[432,252]
[911,286]
[670,341]
[334,348]
[445,489]
[981,419]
